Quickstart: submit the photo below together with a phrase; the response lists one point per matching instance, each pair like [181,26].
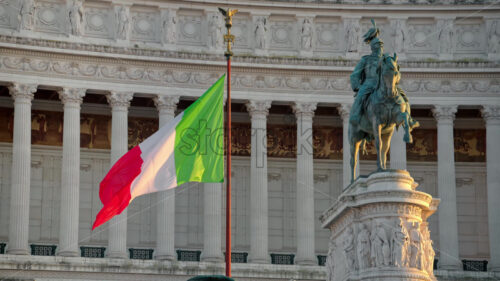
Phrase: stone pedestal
[379,230]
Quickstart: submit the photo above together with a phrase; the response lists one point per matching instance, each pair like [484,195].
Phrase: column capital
[344,110]
[167,103]
[491,113]
[72,95]
[20,91]
[258,108]
[444,112]
[119,99]
[304,109]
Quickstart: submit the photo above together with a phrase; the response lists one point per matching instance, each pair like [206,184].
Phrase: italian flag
[187,149]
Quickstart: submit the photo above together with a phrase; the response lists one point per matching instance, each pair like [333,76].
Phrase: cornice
[141,56]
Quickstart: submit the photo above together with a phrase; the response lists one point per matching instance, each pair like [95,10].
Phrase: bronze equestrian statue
[379,105]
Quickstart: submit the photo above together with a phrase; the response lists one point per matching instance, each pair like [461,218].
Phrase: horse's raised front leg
[354,158]
[377,133]
[386,144]
[404,118]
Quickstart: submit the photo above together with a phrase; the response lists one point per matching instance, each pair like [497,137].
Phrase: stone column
[447,214]
[258,182]
[305,184]
[70,175]
[120,102]
[165,219]
[398,150]
[344,110]
[21,169]
[491,115]
[212,223]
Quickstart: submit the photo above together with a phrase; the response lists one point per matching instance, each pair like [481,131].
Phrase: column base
[117,255]
[165,257]
[68,253]
[18,252]
[306,261]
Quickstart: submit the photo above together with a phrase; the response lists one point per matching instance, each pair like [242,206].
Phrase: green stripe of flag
[199,139]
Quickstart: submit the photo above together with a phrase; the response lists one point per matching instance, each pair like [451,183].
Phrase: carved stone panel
[470,38]
[11,11]
[51,17]
[422,37]
[189,29]
[283,35]
[145,26]
[242,30]
[327,34]
[99,22]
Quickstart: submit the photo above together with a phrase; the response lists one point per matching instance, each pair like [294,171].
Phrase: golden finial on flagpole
[228,38]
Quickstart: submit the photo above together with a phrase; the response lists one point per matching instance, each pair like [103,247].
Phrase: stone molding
[72,95]
[444,113]
[322,82]
[182,26]
[119,99]
[22,92]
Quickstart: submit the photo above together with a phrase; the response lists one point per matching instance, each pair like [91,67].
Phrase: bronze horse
[385,109]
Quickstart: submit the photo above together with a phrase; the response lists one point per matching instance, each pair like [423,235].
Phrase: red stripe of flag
[114,190]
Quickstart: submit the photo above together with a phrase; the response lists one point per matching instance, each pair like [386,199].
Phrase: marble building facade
[81,82]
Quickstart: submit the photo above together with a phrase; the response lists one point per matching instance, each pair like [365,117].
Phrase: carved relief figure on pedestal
[330,263]
[445,36]
[348,247]
[428,251]
[416,246]
[494,38]
[400,241]
[214,32]
[351,35]
[76,17]
[122,29]
[306,35]
[380,253]
[363,247]
[260,33]
[26,15]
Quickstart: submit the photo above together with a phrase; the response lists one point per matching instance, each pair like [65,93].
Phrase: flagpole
[229,39]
